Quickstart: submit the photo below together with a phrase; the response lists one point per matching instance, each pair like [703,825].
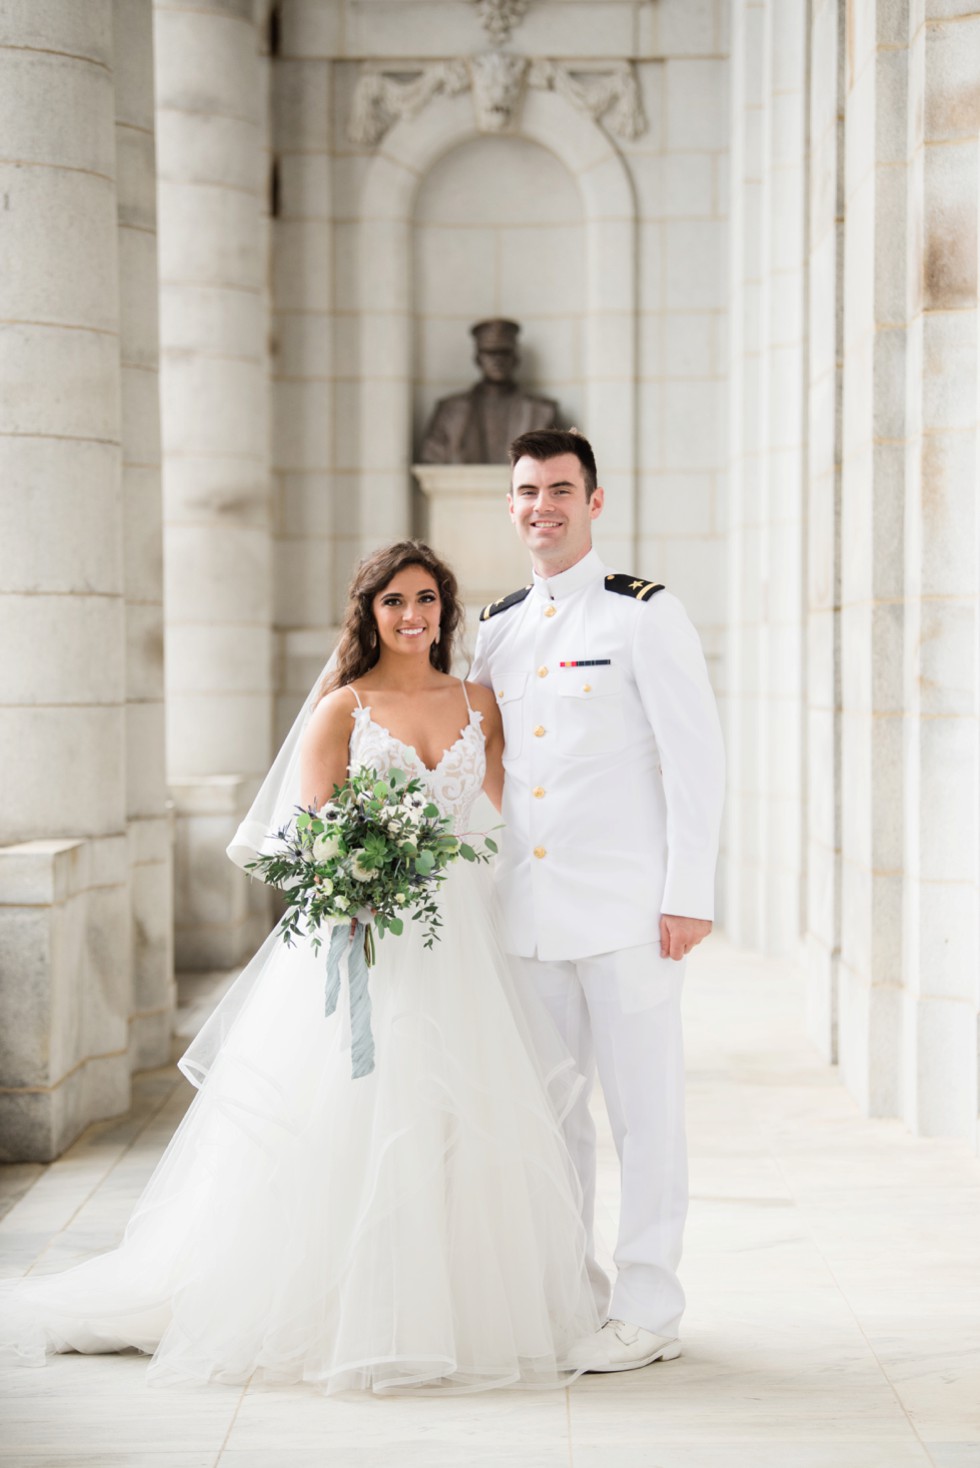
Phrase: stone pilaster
[825,325]
[942,567]
[213,324]
[65,942]
[147,814]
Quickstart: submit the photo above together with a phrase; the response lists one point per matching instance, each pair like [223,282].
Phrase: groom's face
[551,511]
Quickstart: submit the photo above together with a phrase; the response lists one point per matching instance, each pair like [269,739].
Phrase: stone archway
[387,203]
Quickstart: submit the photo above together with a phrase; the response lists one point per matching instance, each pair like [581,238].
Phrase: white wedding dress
[415,1229]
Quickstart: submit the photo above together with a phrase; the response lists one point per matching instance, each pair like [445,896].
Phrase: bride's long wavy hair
[358,649]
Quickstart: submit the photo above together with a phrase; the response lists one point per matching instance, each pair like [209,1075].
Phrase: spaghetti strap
[462,684]
[356,695]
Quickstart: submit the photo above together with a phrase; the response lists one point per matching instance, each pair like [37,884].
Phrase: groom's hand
[678,935]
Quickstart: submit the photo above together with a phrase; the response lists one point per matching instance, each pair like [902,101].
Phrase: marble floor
[832,1268]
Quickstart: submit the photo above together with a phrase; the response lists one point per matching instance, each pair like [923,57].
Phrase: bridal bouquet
[378,844]
[379,848]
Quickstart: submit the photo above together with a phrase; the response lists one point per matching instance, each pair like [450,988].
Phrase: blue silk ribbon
[361,1038]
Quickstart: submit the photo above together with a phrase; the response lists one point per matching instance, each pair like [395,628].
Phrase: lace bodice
[456,780]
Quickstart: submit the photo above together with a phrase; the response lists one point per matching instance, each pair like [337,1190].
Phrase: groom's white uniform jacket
[614,762]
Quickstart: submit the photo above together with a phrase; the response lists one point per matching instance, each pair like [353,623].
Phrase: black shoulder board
[505,603]
[632,586]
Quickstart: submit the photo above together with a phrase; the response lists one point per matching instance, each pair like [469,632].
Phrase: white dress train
[416,1229]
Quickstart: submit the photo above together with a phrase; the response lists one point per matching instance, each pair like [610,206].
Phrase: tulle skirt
[415,1229]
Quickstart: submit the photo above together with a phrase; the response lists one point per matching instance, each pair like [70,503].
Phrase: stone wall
[85,903]
[884,688]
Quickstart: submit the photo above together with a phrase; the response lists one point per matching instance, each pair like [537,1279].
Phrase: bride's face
[407,613]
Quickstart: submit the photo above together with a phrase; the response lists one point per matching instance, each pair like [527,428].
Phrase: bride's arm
[493,730]
[324,751]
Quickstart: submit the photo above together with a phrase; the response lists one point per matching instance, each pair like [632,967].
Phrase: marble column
[212,171]
[824,327]
[69,815]
[875,343]
[148,820]
[942,569]
[763,874]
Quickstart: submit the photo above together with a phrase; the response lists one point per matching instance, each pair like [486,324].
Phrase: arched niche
[409,151]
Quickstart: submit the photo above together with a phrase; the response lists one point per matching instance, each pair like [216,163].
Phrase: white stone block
[947,507]
[606,189]
[209,404]
[695,267]
[139,336]
[610,265]
[39,280]
[220,489]
[389,187]
[695,572]
[944,941]
[143,535]
[457,270]
[951,73]
[210,318]
[690,344]
[205,62]
[140,416]
[312,28]
[688,186]
[305,186]
[35,801]
[215,575]
[209,235]
[144,652]
[609,346]
[73,128]
[84,364]
[676,504]
[61,650]
[652,268]
[386,433]
[697,105]
[146,789]
[303,581]
[301,265]
[305,506]
[201,147]
[694,424]
[588,31]
[50,540]
[685,27]
[946,1069]
[136,179]
[947,789]
[559,126]
[301,97]
[301,425]
[384,279]
[218,732]
[218,659]
[949,382]
[539,268]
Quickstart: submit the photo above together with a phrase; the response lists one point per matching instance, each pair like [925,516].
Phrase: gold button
[539,731]
[540,852]
[538,792]
[586,687]
[549,611]
[500,693]
[542,672]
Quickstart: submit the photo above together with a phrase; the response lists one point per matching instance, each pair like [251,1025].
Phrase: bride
[414,1229]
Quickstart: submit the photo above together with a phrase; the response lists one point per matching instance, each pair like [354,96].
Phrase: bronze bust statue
[476,427]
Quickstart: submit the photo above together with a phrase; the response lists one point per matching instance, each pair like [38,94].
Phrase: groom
[612,803]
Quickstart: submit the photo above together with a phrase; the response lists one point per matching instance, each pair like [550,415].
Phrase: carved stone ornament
[385,94]
[499,17]
[498,86]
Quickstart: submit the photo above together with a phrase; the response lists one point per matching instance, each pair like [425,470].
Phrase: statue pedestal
[470,527]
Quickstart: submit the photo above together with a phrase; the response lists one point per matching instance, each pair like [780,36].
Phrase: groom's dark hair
[548,443]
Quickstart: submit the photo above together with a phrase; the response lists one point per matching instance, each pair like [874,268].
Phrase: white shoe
[619,1346]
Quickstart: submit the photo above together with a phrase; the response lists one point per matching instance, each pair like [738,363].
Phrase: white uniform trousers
[620,1013]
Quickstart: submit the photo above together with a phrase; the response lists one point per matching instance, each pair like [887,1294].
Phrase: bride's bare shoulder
[331,719]
[482,699]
